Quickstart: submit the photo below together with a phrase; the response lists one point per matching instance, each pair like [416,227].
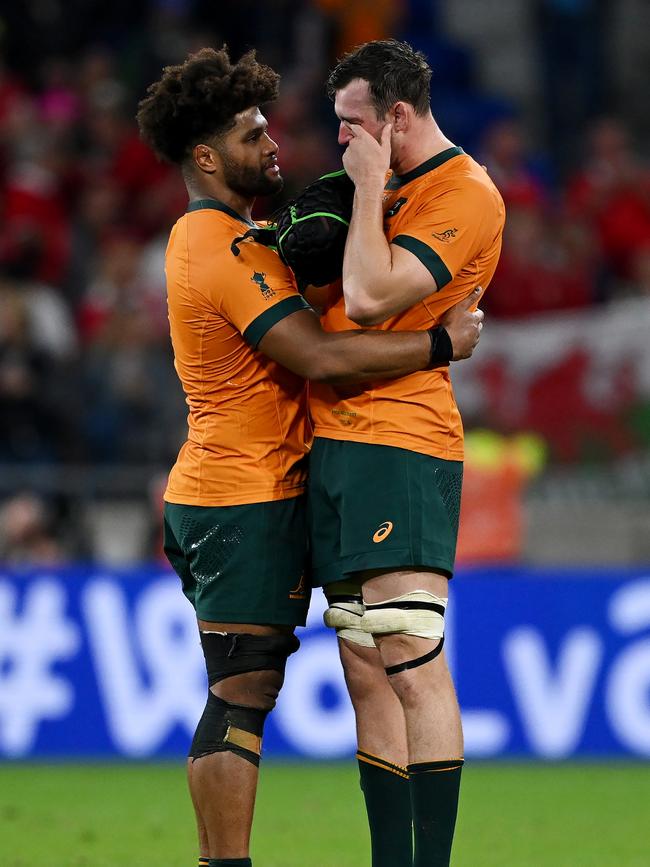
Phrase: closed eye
[256,134]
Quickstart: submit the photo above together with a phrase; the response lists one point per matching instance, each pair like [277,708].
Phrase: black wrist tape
[442,352]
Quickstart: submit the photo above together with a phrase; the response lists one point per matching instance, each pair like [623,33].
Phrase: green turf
[311,816]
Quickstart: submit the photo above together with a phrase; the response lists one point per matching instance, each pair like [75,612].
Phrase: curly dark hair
[198,99]
[394,71]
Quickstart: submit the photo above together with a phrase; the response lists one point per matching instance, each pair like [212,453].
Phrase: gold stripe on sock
[442,770]
[416,767]
[378,762]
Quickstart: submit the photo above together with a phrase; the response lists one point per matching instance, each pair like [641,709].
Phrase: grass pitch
[311,815]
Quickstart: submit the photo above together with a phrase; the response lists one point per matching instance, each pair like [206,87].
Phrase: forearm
[360,356]
[298,343]
[367,263]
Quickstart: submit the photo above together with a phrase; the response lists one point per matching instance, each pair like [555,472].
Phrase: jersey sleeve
[255,291]
[447,231]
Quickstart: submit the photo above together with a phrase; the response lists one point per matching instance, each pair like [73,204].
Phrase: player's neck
[424,141]
[213,189]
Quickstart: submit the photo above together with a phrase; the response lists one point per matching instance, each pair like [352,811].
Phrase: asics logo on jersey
[260,279]
[447,235]
[383,531]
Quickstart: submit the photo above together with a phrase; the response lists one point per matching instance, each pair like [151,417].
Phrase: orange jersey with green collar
[248,424]
[449,214]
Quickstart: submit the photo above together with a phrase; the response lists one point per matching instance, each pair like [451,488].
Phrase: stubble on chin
[250,182]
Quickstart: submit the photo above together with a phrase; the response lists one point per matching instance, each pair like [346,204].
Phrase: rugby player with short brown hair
[245,341]
[386,466]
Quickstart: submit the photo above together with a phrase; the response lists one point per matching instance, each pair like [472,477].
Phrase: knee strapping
[229,653]
[419,613]
[226,725]
[229,727]
[345,614]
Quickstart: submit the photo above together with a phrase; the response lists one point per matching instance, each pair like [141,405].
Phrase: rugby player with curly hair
[245,342]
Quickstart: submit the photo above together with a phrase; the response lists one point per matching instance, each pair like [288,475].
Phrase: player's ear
[400,117]
[205,158]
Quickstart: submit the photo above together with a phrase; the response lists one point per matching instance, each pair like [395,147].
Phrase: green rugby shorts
[379,507]
[241,564]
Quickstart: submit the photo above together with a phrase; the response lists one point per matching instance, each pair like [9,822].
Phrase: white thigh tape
[346,618]
[419,613]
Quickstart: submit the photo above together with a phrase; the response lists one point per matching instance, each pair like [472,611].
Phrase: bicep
[412,277]
[408,282]
[294,342]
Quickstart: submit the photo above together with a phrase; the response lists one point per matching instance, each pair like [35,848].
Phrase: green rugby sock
[385,788]
[204,862]
[434,798]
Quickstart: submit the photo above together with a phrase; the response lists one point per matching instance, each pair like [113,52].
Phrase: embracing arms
[300,344]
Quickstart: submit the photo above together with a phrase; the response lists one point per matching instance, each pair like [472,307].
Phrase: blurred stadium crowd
[86,374]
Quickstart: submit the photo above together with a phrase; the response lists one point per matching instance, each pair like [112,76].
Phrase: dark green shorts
[376,507]
[241,564]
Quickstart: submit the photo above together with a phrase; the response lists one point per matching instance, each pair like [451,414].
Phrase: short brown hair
[394,71]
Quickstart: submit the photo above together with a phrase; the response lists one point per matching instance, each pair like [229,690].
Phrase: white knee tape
[345,617]
[419,613]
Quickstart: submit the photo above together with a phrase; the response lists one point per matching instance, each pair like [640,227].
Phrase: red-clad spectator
[504,154]
[543,266]
[120,299]
[152,196]
[613,193]
[34,210]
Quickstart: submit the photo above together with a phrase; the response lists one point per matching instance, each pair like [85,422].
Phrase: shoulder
[201,235]
[465,188]
[250,253]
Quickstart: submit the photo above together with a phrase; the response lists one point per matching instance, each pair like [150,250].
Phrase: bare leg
[204,849]
[426,693]
[382,756]
[381,726]
[433,726]
[223,785]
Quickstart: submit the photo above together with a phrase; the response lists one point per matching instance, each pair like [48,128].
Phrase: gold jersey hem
[268,496]
[395,441]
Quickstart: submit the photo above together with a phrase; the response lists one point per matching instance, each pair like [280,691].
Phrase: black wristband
[442,352]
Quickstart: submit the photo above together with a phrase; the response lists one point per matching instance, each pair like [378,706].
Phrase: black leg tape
[239,652]
[415,663]
[343,597]
[226,727]
[407,605]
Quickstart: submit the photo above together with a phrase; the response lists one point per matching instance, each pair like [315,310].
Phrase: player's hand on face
[464,322]
[366,160]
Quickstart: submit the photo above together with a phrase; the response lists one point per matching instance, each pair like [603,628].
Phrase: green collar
[398,181]
[216,205]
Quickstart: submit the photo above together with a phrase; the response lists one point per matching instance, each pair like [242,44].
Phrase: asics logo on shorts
[383,531]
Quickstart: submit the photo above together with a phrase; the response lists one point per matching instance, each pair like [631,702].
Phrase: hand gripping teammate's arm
[256,292]
[299,343]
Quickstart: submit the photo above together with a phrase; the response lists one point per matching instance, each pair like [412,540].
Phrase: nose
[272,147]
[344,134]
